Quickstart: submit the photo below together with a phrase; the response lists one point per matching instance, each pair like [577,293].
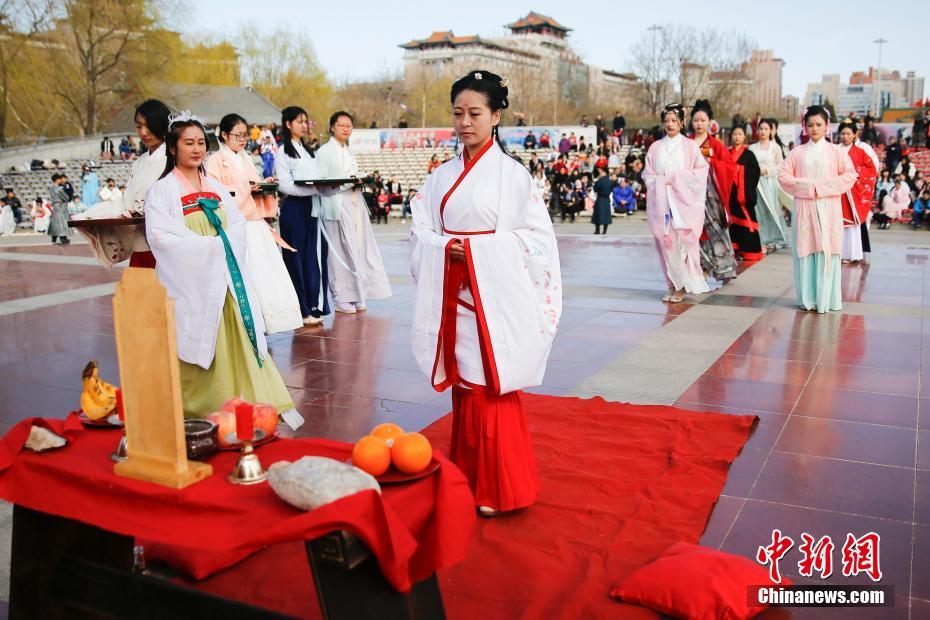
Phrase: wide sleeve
[284,166]
[192,268]
[790,179]
[865,182]
[428,266]
[842,182]
[751,172]
[516,283]
[426,244]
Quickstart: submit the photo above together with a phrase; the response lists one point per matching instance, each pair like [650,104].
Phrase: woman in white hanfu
[488,296]
[114,244]
[772,231]
[676,185]
[198,236]
[817,174]
[232,166]
[356,271]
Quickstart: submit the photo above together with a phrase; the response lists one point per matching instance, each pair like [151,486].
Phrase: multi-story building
[867,92]
[536,57]
[754,86]
[764,70]
[790,107]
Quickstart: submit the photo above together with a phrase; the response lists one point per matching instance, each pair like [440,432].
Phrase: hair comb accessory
[505,83]
[184,117]
[478,75]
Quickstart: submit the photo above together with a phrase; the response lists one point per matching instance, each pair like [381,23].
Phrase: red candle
[119,405]
[244,428]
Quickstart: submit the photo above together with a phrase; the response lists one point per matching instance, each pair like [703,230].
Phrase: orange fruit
[387,431]
[411,453]
[372,455]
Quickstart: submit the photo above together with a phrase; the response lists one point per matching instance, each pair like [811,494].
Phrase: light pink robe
[814,235]
[687,189]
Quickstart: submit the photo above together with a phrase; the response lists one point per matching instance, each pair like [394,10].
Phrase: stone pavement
[843,443]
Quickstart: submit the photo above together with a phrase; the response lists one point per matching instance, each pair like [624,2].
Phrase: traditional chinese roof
[440,39]
[446,38]
[537,21]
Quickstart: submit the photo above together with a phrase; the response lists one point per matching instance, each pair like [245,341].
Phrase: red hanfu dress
[485,326]
[857,202]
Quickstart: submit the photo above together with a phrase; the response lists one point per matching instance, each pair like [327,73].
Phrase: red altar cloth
[412,529]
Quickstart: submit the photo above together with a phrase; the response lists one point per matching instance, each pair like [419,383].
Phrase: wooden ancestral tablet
[146,346]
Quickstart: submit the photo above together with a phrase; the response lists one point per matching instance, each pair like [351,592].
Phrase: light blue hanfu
[90,189]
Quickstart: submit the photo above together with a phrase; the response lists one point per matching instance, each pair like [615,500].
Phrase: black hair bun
[496,88]
[702,105]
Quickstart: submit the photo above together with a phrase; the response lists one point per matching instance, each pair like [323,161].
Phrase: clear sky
[360,38]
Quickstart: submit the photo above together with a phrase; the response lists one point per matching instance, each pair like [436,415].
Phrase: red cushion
[689,581]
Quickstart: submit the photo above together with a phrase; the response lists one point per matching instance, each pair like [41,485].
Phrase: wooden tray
[325,182]
[115,221]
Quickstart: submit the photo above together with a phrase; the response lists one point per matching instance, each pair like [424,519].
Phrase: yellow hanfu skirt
[234,371]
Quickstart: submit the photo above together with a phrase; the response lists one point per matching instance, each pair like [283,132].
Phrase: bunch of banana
[98,399]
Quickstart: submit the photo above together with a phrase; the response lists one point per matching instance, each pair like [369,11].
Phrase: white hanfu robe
[116,244]
[510,310]
[771,221]
[356,270]
[279,304]
[676,182]
[194,270]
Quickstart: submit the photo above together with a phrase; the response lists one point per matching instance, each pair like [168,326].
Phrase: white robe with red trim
[513,268]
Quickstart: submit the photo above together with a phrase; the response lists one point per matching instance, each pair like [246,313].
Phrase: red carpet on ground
[619,484]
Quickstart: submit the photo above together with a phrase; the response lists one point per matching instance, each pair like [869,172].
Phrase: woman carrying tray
[198,237]
[356,271]
[233,167]
[114,244]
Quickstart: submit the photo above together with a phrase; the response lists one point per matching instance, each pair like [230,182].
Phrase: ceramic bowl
[200,437]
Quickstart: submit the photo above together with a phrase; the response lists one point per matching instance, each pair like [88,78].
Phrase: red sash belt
[456,281]
[458,276]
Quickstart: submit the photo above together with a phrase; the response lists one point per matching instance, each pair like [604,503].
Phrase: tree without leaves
[678,59]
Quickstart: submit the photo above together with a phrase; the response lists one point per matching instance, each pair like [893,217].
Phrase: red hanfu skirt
[142,259]
[491,444]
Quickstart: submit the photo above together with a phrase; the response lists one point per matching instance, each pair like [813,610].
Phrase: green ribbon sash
[210,207]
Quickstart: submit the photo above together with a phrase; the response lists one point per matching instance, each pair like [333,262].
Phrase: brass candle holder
[248,469]
[119,455]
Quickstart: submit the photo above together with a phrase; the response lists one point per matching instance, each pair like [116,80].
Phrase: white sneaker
[361,307]
[345,308]
[313,320]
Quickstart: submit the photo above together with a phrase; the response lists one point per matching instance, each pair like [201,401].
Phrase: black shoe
[65,241]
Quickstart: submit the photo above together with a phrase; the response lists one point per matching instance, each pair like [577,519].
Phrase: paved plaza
[842,444]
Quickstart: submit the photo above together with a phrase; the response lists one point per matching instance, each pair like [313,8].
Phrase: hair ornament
[478,75]
[184,117]
[505,83]
[822,108]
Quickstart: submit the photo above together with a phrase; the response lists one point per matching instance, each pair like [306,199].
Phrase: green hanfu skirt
[235,370]
[813,289]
